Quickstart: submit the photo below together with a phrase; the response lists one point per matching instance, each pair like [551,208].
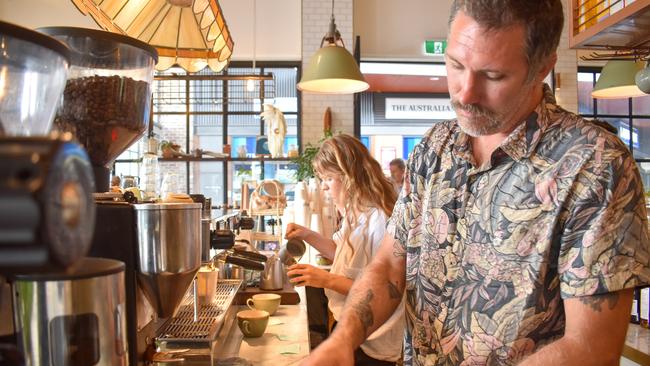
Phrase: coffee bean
[105,113]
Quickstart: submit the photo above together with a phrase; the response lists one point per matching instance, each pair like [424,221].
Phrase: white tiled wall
[315,22]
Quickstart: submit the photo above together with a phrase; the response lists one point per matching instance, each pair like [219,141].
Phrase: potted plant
[169,149]
[304,168]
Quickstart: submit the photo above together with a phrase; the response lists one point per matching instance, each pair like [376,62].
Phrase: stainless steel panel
[169,251]
[69,322]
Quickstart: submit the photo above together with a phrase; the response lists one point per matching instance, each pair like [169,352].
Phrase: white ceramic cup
[266,302]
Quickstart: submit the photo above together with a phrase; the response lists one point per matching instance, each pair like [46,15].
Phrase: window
[630,117]
[365,140]
[409,143]
[204,111]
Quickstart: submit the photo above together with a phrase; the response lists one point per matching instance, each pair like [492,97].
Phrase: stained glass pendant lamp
[190,33]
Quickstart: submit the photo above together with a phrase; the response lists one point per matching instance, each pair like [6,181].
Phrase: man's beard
[482,122]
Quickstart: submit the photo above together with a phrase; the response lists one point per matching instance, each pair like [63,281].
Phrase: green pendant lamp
[617,80]
[332,70]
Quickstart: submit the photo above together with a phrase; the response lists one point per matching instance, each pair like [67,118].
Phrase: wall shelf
[628,27]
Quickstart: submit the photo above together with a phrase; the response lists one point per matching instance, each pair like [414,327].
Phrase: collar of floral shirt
[521,142]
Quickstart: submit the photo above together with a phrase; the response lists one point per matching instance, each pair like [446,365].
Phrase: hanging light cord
[255,30]
[333,35]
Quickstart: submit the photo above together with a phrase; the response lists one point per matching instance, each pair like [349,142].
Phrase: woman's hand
[308,275]
[325,246]
[297,231]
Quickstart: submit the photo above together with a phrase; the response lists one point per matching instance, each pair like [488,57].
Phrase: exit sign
[433,47]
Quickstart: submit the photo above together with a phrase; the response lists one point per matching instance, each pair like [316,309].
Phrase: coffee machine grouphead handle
[246,263]
[249,255]
[222,239]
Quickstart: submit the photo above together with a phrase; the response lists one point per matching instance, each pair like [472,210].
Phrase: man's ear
[547,67]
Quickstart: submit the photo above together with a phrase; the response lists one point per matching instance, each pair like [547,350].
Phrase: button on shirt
[557,212]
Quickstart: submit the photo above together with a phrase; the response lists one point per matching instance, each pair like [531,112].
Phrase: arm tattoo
[596,301]
[393,292]
[364,312]
[399,250]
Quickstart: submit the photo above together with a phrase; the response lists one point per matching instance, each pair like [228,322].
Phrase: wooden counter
[637,345]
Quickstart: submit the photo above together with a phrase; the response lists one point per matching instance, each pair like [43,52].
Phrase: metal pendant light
[617,80]
[332,69]
[642,80]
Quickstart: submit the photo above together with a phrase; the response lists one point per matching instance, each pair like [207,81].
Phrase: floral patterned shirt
[491,251]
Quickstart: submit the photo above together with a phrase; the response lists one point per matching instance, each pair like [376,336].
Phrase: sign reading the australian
[419,108]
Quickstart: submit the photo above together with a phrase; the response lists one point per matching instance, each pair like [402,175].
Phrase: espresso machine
[67,309]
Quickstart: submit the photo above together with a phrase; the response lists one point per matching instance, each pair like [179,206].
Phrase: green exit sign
[433,47]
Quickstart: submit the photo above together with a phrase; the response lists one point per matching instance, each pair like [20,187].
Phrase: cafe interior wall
[292,30]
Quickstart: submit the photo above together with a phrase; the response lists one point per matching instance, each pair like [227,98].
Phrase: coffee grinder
[106,105]
[47,216]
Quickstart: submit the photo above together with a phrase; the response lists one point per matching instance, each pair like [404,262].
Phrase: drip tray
[183,330]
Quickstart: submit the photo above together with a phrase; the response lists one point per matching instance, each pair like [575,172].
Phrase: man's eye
[494,77]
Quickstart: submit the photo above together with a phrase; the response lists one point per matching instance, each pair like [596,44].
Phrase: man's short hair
[542,20]
[398,163]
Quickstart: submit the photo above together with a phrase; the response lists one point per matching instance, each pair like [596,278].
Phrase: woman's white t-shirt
[350,259]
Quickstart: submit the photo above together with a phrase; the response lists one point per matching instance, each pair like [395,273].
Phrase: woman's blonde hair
[362,178]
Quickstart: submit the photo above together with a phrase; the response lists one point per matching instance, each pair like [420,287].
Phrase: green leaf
[304,167]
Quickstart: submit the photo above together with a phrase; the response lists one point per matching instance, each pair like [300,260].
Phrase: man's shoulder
[578,130]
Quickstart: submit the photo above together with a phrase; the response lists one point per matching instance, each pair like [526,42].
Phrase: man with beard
[521,228]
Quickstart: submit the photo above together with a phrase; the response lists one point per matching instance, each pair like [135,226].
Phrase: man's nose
[468,92]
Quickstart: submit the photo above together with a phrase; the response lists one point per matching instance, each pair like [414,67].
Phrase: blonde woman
[365,199]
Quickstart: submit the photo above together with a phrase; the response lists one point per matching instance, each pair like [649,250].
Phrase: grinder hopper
[107,97]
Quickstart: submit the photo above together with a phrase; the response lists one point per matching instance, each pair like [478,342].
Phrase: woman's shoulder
[374,217]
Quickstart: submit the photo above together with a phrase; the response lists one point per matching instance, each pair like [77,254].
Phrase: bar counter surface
[637,345]
[285,341]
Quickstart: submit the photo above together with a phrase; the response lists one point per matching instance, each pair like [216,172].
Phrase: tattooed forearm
[596,301]
[399,250]
[393,292]
[364,311]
